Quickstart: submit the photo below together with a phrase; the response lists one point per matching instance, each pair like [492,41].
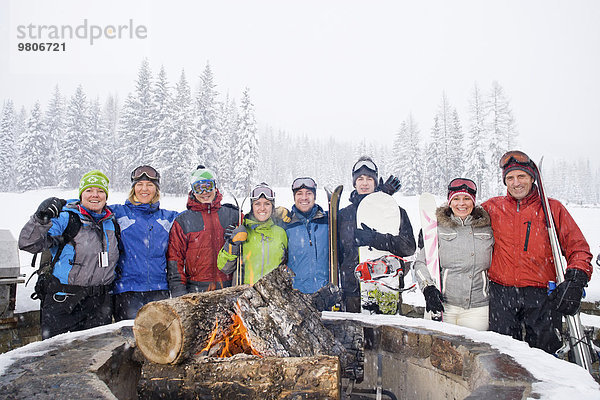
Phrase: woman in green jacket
[263,244]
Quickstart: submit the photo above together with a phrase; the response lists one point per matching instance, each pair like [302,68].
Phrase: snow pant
[127,304]
[86,308]
[195,287]
[474,318]
[515,308]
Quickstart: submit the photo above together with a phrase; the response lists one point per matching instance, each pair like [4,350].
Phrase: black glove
[391,186]
[327,297]
[229,231]
[433,299]
[49,208]
[236,238]
[566,298]
[364,236]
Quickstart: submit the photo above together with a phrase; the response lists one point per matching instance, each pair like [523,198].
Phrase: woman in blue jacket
[142,268]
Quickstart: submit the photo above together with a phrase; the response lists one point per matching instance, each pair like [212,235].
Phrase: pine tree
[55,127]
[137,124]
[477,159]
[407,161]
[435,180]
[110,115]
[33,153]
[246,150]
[7,145]
[501,128]
[79,150]
[206,121]
[161,115]
[176,155]
[98,135]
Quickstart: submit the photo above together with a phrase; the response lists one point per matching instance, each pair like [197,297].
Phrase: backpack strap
[71,230]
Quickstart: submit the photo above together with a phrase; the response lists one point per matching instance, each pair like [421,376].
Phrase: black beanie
[364,166]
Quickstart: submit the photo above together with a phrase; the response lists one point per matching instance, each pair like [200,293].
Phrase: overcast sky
[351,69]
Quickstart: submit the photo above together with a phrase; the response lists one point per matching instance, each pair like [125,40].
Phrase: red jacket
[521,259]
[195,240]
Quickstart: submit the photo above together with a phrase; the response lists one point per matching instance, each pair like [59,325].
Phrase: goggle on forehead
[203,185]
[463,184]
[147,170]
[265,192]
[308,183]
[514,156]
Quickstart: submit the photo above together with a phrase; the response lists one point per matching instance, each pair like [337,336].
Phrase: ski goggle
[307,183]
[147,170]
[264,191]
[463,184]
[514,156]
[203,185]
[364,163]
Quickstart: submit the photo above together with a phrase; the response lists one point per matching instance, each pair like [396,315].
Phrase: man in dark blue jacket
[308,238]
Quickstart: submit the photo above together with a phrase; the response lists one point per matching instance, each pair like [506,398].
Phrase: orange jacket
[525,259]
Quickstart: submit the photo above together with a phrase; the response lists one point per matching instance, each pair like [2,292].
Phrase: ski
[334,205]
[427,207]
[577,340]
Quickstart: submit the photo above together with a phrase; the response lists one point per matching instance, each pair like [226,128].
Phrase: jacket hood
[194,205]
[478,218]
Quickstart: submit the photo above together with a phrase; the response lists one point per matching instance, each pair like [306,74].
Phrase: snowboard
[379,211]
[334,205]
[427,209]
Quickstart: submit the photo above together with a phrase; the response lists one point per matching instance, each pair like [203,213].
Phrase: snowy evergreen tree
[207,107]
[137,124]
[501,128]
[407,157]
[7,145]
[246,149]
[227,120]
[176,157]
[110,116]
[435,176]
[33,160]
[457,159]
[55,127]
[99,136]
[162,116]
[80,149]
[478,163]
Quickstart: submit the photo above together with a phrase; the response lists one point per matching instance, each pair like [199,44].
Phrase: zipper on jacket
[527,235]
[309,235]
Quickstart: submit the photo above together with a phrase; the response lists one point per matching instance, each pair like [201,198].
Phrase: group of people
[495,258]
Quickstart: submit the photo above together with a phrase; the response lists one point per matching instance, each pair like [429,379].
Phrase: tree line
[174,129]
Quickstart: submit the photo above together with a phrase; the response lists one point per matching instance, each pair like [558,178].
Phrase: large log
[280,321]
[243,377]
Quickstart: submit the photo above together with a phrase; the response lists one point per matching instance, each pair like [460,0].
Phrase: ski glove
[365,236]
[326,297]
[49,208]
[282,214]
[229,231]
[433,299]
[566,298]
[237,237]
[390,186]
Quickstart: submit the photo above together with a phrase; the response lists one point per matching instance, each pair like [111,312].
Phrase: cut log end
[158,333]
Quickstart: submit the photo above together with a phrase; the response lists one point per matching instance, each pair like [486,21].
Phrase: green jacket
[263,251]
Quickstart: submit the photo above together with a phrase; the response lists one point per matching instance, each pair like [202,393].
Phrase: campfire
[234,341]
[265,338]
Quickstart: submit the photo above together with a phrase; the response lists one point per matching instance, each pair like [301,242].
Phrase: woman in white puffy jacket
[465,244]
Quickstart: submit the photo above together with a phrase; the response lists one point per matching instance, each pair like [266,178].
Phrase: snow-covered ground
[558,379]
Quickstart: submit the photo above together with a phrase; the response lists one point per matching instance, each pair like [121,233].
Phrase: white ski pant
[475,318]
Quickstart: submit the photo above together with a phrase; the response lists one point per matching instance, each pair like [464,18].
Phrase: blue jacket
[144,239]
[308,249]
[78,263]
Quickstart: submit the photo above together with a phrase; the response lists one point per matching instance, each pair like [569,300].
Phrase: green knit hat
[94,178]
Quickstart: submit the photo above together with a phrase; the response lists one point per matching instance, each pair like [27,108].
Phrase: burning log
[269,318]
[248,377]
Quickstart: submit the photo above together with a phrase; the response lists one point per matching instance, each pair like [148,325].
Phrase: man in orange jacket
[522,263]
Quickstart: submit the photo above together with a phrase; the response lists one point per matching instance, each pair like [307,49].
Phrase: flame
[235,341]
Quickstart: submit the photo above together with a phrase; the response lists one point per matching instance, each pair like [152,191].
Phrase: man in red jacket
[196,237]
[522,263]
